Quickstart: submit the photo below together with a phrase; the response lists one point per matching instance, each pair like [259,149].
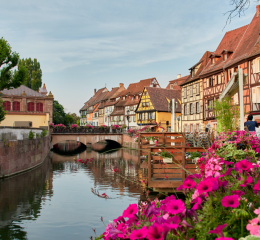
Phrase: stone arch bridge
[87,138]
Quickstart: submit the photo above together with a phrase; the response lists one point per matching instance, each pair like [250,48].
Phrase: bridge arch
[86,138]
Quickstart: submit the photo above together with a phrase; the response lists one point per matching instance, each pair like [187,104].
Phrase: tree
[34,75]
[75,117]
[8,77]
[240,6]
[58,113]
[9,60]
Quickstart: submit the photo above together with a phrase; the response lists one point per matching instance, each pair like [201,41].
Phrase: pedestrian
[250,124]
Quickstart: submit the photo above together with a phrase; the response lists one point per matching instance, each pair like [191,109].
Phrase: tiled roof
[18,92]
[203,62]
[158,97]
[141,85]
[179,82]
[230,42]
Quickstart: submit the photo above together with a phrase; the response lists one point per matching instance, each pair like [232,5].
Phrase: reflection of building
[22,197]
[26,105]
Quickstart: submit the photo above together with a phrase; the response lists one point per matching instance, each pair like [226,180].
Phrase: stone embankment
[17,156]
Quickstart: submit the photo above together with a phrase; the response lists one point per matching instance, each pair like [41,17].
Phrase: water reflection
[54,201]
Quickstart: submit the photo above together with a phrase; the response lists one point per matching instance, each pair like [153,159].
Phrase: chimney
[257,9]
[95,91]
[121,85]
[178,76]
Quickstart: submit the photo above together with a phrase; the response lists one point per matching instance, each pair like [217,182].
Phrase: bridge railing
[83,129]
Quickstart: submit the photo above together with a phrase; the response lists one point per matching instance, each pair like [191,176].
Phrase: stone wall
[129,142]
[16,133]
[21,155]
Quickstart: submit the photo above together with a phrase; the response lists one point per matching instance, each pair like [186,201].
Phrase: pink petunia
[257,186]
[139,233]
[189,184]
[230,201]
[246,182]
[239,193]
[155,232]
[257,211]
[176,206]
[219,230]
[244,165]
[205,186]
[224,238]
[131,210]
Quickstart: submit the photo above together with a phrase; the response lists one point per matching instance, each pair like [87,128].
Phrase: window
[185,92]
[191,90]
[197,107]
[7,106]
[191,108]
[171,86]
[256,95]
[210,104]
[185,109]
[30,107]
[235,99]
[212,60]
[140,116]
[211,82]
[39,107]
[197,127]
[219,80]
[191,128]
[225,56]
[198,88]
[134,118]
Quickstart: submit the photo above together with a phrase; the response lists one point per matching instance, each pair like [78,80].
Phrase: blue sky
[87,44]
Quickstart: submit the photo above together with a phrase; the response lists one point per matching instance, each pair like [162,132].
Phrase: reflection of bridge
[86,138]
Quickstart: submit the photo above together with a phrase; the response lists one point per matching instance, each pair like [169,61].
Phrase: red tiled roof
[179,81]
[229,42]
[158,97]
[142,84]
[203,62]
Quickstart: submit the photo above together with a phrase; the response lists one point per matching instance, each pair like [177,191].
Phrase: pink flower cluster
[74,126]
[253,226]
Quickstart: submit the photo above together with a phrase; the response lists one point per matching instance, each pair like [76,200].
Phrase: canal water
[55,201]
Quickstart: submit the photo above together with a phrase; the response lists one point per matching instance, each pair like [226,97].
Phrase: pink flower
[224,238]
[205,186]
[230,201]
[219,230]
[246,182]
[155,232]
[253,227]
[257,211]
[237,192]
[139,234]
[176,206]
[189,184]
[130,211]
[244,165]
[257,186]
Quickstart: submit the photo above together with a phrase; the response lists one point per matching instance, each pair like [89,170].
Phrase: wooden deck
[163,175]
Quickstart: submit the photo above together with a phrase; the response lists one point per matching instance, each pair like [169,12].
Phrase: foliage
[193,155]
[103,127]
[78,122]
[73,118]
[9,60]
[44,133]
[33,78]
[31,134]
[52,125]
[89,126]
[220,202]
[2,110]
[151,138]
[60,126]
[165,154]
[124,126]
[227,115]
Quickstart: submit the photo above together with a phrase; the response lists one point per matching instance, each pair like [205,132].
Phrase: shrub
[44,133]
[31,134]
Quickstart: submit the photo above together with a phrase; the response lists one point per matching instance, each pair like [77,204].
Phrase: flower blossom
[176,206]
[130,211]
[230,201]
[244,165]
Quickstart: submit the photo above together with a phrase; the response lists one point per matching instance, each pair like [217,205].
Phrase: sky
[87,44]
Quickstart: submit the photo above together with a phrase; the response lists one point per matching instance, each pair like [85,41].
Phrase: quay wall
[129,142]
[21,155]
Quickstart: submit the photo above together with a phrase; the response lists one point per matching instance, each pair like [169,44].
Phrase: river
[55,201]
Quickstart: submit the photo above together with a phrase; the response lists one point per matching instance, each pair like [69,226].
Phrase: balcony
[146,122]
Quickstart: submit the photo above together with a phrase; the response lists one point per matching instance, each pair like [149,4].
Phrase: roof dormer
[214,58]
[225,54]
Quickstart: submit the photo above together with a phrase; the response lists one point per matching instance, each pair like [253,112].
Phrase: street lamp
[127,117]
[178,118]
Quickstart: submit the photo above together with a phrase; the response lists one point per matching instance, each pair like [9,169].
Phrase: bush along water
[222,199]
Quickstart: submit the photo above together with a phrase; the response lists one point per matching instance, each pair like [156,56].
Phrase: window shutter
[187,108]
[207,82]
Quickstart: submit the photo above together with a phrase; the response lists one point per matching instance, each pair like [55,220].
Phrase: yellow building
[154,107]
[27,108]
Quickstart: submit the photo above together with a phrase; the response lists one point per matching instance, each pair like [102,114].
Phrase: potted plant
[74,127]
[166,156]
[151,139]
[115,128]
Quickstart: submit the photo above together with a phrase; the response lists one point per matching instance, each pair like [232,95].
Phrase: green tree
[58,113]
[8,77]
[34,75]
[75,117]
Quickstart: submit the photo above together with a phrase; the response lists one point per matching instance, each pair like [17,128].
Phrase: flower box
[167,160]
[151,142]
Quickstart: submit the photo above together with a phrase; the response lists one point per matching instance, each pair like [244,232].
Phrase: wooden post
[163,135]
[139,148]
[241,97]
[149,167]
[183,164]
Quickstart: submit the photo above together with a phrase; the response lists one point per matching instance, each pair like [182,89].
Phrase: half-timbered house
[192,97]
